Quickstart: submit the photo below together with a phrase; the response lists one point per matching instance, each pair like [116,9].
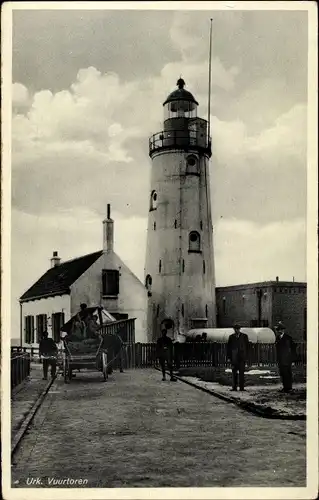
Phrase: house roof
[260,284]
[57,280]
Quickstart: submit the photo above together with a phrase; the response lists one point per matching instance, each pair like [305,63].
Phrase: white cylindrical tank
[255,335]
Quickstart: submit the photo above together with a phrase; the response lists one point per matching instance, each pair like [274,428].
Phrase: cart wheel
[104,366]
[65,369]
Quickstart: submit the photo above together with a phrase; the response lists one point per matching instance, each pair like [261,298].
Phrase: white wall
[48,306]
[132,298]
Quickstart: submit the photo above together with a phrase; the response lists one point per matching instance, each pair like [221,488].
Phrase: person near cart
[165,354]
[48,352]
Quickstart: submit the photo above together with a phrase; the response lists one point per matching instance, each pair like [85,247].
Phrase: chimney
[55,260]
[277,278]
[108,231]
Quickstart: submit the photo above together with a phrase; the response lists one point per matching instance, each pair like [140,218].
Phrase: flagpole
[209,75]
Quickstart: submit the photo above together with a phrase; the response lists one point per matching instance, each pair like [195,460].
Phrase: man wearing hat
[237,352]
[286,353]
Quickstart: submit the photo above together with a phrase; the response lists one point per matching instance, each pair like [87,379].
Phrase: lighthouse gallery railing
[179,139]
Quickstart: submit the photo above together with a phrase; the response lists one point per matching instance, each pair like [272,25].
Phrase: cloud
[248,252]
[20,94]
[94,132]
[49,47]
[284,140]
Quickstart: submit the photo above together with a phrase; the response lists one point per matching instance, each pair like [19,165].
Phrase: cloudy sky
[88,88]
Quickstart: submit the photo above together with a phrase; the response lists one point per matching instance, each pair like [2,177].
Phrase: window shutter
[110,282]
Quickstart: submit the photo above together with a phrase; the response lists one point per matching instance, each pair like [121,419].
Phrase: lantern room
[182,128]
[180,103]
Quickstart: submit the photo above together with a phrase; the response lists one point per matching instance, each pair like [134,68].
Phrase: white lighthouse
[179,269]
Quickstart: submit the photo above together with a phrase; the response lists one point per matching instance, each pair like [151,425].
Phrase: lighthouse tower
[179,268]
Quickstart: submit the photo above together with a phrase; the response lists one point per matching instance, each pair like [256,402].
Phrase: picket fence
[20,367]
[210,354]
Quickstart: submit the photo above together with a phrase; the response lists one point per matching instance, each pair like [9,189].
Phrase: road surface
[137,431]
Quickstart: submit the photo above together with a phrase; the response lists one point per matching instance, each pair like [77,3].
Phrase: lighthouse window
[175,223]
[204,267]
[194,242]
[192,165]
[206,310]
[153,201]
[148,285]
[183,265]
[160,266]
[154,226]
[182,309]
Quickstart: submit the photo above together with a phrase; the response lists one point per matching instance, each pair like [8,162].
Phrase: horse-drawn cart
[93,340]
[86,354]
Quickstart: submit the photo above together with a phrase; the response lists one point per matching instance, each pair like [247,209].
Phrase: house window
[153,200]
[194,242]
[110,282]
[29,329]
[41,326]
[192,165]
[160,266]
[57,323]
[148,284]
[204,267]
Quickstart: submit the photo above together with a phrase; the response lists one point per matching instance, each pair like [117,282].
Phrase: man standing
[48,350]
[237,351]
[286,353]
[165,354]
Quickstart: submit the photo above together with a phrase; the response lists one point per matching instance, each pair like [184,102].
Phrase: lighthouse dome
[180,94]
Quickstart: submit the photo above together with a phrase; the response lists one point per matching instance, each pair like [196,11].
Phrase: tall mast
[209,74]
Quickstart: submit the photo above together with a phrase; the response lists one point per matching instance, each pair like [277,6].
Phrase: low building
[100,278]
[263,305]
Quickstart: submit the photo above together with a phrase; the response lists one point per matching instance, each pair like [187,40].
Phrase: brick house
[264,304]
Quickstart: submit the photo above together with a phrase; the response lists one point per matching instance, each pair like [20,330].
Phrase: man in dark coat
[165,354]
[286,355]
[237,352]
[48,351]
